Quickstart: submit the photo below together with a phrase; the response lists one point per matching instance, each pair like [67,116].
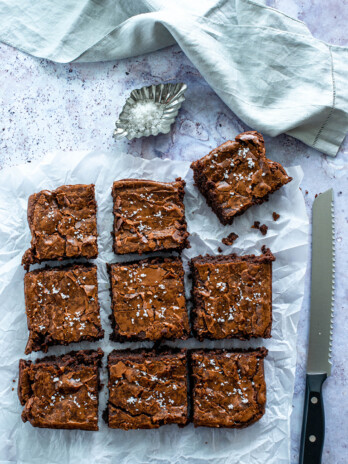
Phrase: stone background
[47,106]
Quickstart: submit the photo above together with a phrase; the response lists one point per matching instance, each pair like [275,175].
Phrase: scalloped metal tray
[150,111]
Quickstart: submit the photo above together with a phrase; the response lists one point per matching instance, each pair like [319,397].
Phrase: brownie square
[62,306]
[237,175]
[147,389]
[63,224]
[229,388]
[61,392]
[149,216]
[148,300]
[232,296]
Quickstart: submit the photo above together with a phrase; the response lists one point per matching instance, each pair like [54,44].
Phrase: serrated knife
[320,332]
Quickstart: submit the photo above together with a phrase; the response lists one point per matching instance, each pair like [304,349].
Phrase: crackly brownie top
[149,216]
[147,389]
[62,306]
[233,295]
[229,387]
[148,299]
[240,174]
[61,392]
[63,223]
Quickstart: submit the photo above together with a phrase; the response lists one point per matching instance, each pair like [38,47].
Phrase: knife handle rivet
[314,400]
[312,438]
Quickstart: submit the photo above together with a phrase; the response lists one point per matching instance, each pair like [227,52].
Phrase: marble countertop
[48,106]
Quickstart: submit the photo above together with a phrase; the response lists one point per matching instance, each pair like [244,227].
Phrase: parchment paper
[268,440]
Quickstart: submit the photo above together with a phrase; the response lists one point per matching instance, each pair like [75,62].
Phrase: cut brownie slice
[147,389]
[149,216]
[61,392]
[232,296]
[237,175]
[63,224]
[62,306]
[148,300]
[229,387]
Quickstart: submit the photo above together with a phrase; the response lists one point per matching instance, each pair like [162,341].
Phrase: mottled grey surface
[48,107]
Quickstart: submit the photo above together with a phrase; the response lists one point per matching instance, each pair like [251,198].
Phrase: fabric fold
[263,64]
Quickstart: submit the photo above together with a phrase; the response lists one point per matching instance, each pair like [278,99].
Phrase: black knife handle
[313,425]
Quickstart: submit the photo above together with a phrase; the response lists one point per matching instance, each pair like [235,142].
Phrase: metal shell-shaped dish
[150,111]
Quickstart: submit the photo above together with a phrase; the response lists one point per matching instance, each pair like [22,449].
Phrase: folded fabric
[263,64]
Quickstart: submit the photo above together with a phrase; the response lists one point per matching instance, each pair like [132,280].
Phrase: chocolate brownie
[147,389]
[232,296]
[229,388]
[149,216]
[62,306]
[61,392]
[63,224]
[237,175]
[148,300]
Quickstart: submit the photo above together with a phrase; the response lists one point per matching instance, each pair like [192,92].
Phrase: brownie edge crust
[61,392]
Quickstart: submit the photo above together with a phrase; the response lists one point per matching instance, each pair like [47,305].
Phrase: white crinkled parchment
[268,440]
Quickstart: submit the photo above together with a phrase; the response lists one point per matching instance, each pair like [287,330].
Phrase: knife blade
[320,332]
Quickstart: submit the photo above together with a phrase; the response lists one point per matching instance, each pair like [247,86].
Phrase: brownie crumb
[220,250]
[256,225]
[275,216]
[263,229]
[306,192]
[230,239]
[266,251]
